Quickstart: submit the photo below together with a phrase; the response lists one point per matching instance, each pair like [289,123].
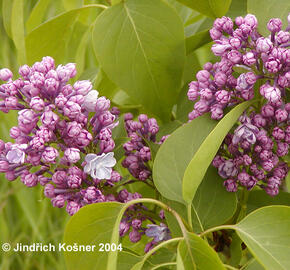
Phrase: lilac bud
[134,236]
[264,45]
[123,228]
[235,43]
[193,114]
[283,37]
[24,71]
[234,56]
[143,118]
[49,191]
[71,109]
[267,111]
[83,87]
[227,169]
[123,195]
[29,179]
[37,104]
[206,94]
[215,34]
[136,223]
[102,104]
[58,201]
[107,145]
[192,94]
[251,20]
[74,181]
[239,21]
[216,112]
[49,155]
[72,207]
[153,126]
[84,138]
[274,25]
[49,119]
[91,100]
[4,166]
[231,185]
[37,143]
[272,94]
[59,178]
[249,59]
[273,65]
[5,74]
[15,132]
[72,155]
[203,76]
[282,149]
[281,115]
[223,96]
[267,165]
[220,49]
[220,78]
[278,133]
[201,106]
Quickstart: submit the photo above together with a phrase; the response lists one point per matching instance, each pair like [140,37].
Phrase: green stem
[165,243]
[230,267]
[163,265]
[218,228]
[243,204]
[189,217]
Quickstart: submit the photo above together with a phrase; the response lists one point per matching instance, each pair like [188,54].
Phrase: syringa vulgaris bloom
[55,138]
[254,152]
[240,45]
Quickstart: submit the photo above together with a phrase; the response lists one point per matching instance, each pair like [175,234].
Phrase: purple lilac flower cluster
[241,46]
[137,152]
[54,131]
[253,154]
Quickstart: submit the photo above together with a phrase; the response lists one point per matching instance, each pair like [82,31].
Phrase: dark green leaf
[147,38]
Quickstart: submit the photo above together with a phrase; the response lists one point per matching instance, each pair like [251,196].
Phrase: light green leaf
[237,8]
[210,8]
[92,225]
[271,9]
[105,86]
[206,151]
[266,232]
[6,14]
[253,265]
[221,206]
[37,14]
[204,256]
[51,37]
[197,40]
[147,38]
[175,154]
[72,4]
[17,30]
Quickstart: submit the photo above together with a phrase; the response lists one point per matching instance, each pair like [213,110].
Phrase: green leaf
[147,38]
[105,86]
[221,206]
[271,9]
[6,14]
[51,37]
[197,40]
[259,198]
[204,256]
[72,4]
[253,265]
[92,225]
[207,150]
[37,14]
[237,8]
[235,250]
[266,234]
[175,154]
[17,30]
[210,8]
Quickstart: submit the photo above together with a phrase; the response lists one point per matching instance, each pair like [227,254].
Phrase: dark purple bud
[231,185]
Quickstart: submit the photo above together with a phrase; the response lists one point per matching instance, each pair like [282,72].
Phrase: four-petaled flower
[160,233]
[100,167]
[16,154]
